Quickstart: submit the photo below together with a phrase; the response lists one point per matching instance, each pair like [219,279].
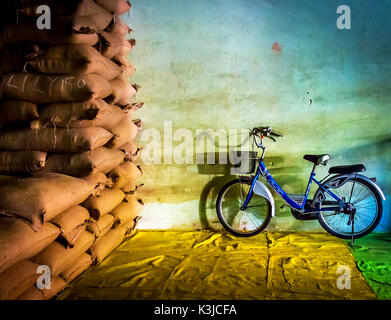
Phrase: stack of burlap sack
[68,177]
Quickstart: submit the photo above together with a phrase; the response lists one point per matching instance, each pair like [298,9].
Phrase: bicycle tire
[368,230]
[222,220]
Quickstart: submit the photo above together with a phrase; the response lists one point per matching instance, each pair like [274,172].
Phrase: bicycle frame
[262,170]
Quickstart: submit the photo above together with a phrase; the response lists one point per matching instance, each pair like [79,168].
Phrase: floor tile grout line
[267,296]
[359,270]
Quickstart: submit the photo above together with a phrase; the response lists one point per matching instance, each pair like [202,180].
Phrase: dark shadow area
[378,148]
[207,203]
[226,163]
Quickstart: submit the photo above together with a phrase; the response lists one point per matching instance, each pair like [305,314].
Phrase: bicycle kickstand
[352,242]
[351,221]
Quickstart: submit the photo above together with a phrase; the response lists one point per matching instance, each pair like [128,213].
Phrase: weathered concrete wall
[212,64]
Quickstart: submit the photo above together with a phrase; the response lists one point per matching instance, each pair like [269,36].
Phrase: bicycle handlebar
[267,132]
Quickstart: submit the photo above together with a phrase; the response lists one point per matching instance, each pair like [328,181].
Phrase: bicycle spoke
[366,206]
[237,218]
[255,224]
[362,199]
[331,214]
[243,221]
[362,214]
[361,189]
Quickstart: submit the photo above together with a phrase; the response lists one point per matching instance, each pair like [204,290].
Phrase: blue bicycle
[348,205]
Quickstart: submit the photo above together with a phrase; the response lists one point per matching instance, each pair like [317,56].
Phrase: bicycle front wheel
[247,222]
[363,197]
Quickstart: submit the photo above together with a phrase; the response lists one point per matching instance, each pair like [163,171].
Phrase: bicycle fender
[374,185]
[329,182]
[263,191]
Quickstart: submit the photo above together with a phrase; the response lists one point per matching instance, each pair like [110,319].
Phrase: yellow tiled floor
[208,265]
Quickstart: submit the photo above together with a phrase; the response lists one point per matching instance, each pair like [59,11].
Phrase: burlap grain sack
[99,180]
[19,162]
[106,244]
[124,174]
[69,239]
[125,131]
[89,17]
[129,148]
[55,139]
[113,44]
[132,152]
[43,88]
[118,26]
[80,164]
[58,258]
[72,223]
[17,279]
[60,33]
[77,268]
[75,60]
[117,7]
[40,199]
[127,69]
[101,227]
[127,211]
[14,111]
[121,90]
[132,107]
[96,113]
[130,188]
[56,285]
[19,242]
[13,57]
[123,103]
[104,203]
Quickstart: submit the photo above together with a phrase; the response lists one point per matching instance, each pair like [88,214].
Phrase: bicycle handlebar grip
[267,131]
[276,133]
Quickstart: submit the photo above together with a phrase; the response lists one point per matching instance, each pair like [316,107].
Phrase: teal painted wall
[210,64]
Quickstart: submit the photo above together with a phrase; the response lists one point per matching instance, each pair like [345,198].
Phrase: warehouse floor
[208,265]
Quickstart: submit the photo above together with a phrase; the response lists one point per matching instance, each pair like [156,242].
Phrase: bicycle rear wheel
[363,197]
[242,223]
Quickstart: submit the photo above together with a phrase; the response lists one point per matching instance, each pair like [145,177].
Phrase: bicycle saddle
[317,159]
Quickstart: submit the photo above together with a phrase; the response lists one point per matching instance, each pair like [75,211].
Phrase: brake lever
[270,137]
